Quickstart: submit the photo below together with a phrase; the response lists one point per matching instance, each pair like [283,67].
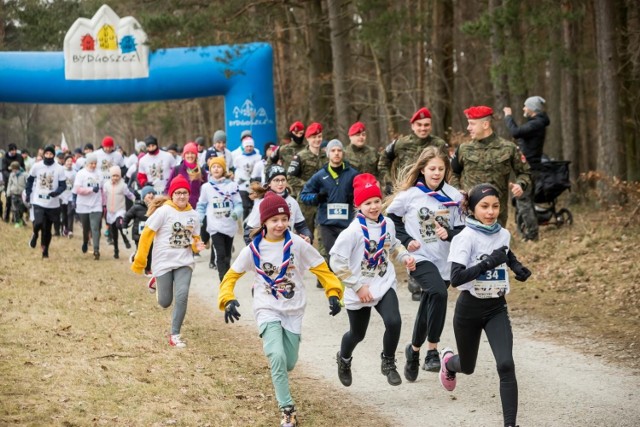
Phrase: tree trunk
[339,26]
[609,126]
[499,76]
[442,42]
[631,120]
[553,143]
[569,100]
[319,65]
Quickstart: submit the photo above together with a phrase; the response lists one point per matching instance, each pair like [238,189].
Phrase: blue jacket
[334,197]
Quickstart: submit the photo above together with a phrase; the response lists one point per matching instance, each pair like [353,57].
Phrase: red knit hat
[107,141]
[296,127]
[478,112]
[422,113]
[190,147]
[356,128]
[177,183]
[365,186]
[272,205]
[313,129]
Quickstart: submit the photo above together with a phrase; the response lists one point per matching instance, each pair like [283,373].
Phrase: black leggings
[388,309]
[221,251]
[471,317]
[43,220]
[433,304]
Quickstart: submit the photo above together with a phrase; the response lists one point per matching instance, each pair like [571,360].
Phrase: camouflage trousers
[526,216]
[309,213]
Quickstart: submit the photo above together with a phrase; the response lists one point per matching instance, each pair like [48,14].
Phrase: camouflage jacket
[302,167]
[364,159]
[402,152]
[489,160]
[284,154]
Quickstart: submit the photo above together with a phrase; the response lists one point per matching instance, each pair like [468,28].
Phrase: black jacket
[529,136]
[137,214]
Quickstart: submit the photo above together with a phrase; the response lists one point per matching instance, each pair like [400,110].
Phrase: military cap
[313,129]
[422,113]
[478,112]
[356,128]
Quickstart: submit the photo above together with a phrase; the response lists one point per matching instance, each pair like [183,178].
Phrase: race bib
[492,283]
[337,211]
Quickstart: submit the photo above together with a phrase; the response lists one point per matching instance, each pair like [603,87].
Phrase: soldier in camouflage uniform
[282,155]
[489,159]
[361,156]
[302,167]
[406,150]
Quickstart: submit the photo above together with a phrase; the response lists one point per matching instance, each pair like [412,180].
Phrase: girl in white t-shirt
[221,203]
[479,258]
[115,193]
[276,181]
[87,188]
[426,213]
[279,260]
[174,229]
[370,279]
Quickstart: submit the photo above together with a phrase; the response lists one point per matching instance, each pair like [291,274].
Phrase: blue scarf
[442,198]
[474,224]
[377,257]
[286,257]
[222,193]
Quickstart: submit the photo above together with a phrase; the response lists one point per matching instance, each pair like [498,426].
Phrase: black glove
[496,258]
[96,188]
[522,272]
[230,311]
[322,196]
[53,194]
[334,306]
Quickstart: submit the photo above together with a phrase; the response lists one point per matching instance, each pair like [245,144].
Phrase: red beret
[478,112]
[422,113]
[356,128]
[107,141]
[313,129]
[296,127]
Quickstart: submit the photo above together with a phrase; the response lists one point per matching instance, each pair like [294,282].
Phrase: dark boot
[388,368]
[344,370]
[412,366]
[432,361]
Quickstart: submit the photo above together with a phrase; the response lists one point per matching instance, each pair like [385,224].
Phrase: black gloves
[496,258]
[53,194]
[522,272]
[334,306]
[96,188]
[230,311]
[322,196]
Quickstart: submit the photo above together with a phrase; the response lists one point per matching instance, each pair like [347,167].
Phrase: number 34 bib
[492,283]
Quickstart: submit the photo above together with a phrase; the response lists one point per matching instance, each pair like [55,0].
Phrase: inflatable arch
[106,60]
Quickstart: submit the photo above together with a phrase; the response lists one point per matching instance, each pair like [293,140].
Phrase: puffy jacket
[137,214]
[325,191]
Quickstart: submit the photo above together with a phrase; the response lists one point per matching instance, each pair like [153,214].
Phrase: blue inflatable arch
[243,74]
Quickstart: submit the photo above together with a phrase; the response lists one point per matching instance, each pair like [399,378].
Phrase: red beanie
[107,141]
[296,127]
[422,113]
[356,128]
[313,129]
[190,147]
[177,183]
[272,205]
[478,112]
[365,186]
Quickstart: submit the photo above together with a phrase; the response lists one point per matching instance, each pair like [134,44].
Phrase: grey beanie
[244,134]
[91,158]
[334,143]
[535,103]
[219,135]
[146,190]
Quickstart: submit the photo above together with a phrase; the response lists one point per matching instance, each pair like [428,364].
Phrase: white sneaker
[175,341]
[131,257]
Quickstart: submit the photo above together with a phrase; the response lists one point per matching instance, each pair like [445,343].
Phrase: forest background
[377,61]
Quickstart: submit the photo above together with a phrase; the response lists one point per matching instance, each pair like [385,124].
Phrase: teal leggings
[281,348]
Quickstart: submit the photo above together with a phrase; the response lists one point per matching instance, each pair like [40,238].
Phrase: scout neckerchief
[227,195]
[482,228]
[286,256]
[442,198]
[377,257]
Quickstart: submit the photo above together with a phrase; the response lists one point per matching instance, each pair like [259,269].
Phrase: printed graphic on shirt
[105,165]
[155,171]
[379,269]
[45,183]
[427,220]
[492,283]
[287,287]
[181,234]
[221,207]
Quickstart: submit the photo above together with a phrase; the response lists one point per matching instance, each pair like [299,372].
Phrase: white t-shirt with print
[157,169]
[288,311]
[219,207]
[253,220]
[92,202]
[350,246]
[174,235]
[244,167]
[46,180]
[106,160]
[67,194]
[470,247]
[420,212]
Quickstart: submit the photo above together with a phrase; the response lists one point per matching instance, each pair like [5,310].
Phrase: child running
[67,208]
[115,194]
[138,214]
[479,258]
[370,279]
[174,229]
[279,259]
[88,200]
[276,181]
[220,201]
[426,214]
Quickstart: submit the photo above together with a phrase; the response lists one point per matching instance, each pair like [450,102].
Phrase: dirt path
[557,386]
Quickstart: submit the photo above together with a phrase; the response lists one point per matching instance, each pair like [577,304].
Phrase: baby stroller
[551,179]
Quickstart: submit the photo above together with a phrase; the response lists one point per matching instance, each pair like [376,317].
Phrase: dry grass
[83,343]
